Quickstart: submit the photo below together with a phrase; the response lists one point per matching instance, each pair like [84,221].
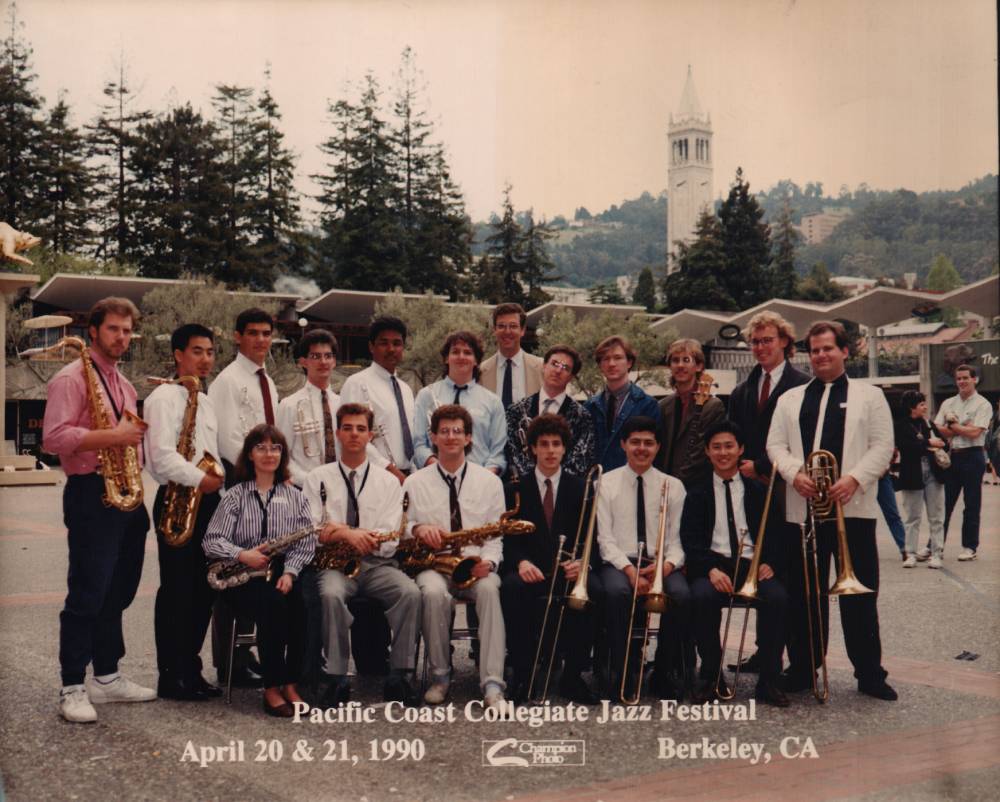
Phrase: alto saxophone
[180,502]
[342,557]
[223,574]
[118,465]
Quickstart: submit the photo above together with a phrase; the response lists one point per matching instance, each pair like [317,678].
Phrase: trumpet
[654,601]
[821,467]
[747,592]
[308,428]
[577,599]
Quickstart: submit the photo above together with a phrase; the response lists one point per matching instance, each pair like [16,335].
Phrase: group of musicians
[393,482]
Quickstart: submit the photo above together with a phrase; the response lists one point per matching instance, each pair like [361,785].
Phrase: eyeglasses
[267,448]
[762,341]
[323,357]
[447,431]
[560,365]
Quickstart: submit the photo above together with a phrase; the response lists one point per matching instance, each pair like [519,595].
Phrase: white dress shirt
[239,405]
[720,534]
[164,410]
[380,499]
[480,497]
[377,381]
[541,478]
[972,411]
[308,450]
[517,376]
[616,519]
[555,403]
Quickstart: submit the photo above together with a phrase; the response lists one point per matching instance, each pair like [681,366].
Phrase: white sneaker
[437,693]
[75,706]
[966,554]
[923,554]
[935,562]
[121,689]
[910,561]
[494,699]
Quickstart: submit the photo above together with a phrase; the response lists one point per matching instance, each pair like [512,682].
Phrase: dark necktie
[640,511]
[265,392]
[734,543]
[331,449]
[458,392]
[765,391]
[611,412]
[353,517]
[456,510]
[508,385]
[548,504]
[545,406]
[404,423]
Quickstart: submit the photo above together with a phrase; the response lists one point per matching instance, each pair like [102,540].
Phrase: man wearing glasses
[561,364]
[510,373]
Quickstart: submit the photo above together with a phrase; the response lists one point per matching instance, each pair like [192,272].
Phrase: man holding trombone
[831,440]
[728,557]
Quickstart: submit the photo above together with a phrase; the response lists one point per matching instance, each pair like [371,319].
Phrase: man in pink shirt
[106,545]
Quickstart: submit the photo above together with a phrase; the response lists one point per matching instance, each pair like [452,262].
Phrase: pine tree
[537,266]
[645,290]
[20,128]
[696,284]
[111,138]
[63,203]
[746,243]
[784,279]
[502,265]
[817,286]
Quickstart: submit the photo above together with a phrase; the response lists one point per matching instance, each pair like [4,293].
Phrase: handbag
[942,458]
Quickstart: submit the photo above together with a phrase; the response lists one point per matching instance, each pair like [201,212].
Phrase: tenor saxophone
[342,556]
[181,502]
[117,465]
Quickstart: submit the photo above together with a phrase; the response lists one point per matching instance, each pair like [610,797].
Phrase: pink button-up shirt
[67,414]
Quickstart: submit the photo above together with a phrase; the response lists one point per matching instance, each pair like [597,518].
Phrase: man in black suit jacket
[551,499]
[717,513]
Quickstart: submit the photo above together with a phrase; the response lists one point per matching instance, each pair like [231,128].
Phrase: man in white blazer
[850,419]
[510,373]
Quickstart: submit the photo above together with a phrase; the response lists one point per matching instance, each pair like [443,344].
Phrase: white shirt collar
[541,477]
[516,359]
[558,400]
[378,370]
[248,364]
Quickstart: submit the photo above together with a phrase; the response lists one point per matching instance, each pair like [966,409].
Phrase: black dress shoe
[182,691]
[284,710]
[793,683]
[667,686]
[398,689]
[206,687]
[517,689]
[339,692]
[880,690]
[770,694]
[575,689]
[749,666]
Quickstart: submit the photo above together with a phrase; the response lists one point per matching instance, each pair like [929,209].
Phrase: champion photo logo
[512,752]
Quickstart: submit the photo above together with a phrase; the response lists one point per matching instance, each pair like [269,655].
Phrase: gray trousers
[379,579]
[913,502]
[437,604]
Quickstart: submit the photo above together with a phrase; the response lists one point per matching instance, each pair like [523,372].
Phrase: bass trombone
[577,599]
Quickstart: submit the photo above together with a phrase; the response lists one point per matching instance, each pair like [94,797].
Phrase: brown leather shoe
[284,710]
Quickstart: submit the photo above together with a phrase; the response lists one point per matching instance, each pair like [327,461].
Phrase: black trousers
[771,611]
[523,610]
[184,600]
[281,626]
[106,550]
[858,614]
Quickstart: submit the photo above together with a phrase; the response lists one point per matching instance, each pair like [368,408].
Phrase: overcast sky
[570,101]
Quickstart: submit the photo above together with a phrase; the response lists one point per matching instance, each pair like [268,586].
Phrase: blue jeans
[965,476]
[887,501]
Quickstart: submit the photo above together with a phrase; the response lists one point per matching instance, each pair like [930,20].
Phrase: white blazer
[868,445]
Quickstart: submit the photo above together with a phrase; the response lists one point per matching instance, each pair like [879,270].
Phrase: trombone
[577,599]
[654,601]
[747,592]
[821,467]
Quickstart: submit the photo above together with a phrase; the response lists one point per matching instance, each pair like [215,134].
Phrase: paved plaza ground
[941,740]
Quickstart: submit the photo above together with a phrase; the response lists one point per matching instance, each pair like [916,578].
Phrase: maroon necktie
[330,449]
[765,391]
[265,392]
[548,504]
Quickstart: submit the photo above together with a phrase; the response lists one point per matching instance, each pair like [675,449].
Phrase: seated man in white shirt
[451,495]
[361,506]
[628,511]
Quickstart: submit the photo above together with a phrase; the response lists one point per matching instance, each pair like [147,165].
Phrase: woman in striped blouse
[261,507]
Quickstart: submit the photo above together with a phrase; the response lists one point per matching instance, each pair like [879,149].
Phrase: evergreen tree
[181,196]
[112,138]
[784,279]
[606,292]
[746,243]
[696,284]
[943,277]
[537,266]
[20,128]
[645,290]
[502,265]
[818,286]
[63,203]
